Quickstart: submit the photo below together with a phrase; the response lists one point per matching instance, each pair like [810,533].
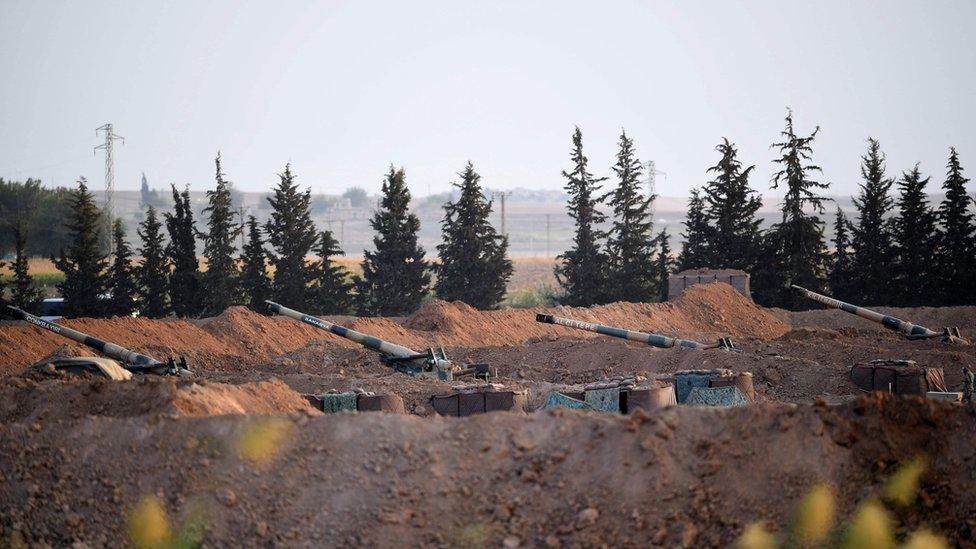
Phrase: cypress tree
[25,294]
[871,240]
[697,235]
[664,265]
[221,278]
[473,267]
[841,279]
[5,312]
[630,242]
[395,277]
[915,235]
[292,235]
[255,282]
[733,236]
[331,289]
[151,273]
[84,262]
[582,270]
[121,278]
[184,280]
[795,249]
[955,255]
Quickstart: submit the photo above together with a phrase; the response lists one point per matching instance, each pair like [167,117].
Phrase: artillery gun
[910,331]
[433,363]
[122,359]
[654,340]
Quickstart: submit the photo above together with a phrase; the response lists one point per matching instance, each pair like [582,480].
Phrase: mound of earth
[259,336]
[26,400]
[679,477]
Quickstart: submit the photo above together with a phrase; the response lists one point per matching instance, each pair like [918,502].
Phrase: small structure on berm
[733,277]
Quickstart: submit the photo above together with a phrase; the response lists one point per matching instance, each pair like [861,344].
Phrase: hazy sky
[341,89]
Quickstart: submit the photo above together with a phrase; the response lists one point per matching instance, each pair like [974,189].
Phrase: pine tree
[255,282]
[871,239]
[292,235]
[664,265]
[331,289]
[395,277]
[795,251]
[122,276]
[184,281]
[733,236]
[84,262]
[841,278]
[221,278]
[151,273]
[630,241]
[915,235]
[955,256]
[25,294]
[473,264]
[697,235]
[582,271]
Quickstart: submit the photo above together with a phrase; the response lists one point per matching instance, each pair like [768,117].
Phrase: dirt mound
[259,336]
[21,344]
[678,477]
[702,311]
[55,399]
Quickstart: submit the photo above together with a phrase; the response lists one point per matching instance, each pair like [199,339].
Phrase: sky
[343,89]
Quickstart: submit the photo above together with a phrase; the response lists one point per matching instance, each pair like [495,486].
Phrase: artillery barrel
[131,359]
[655,340]
[368,341]
[913,331]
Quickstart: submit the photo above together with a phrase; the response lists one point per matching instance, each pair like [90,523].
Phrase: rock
[227,497]
[511,542]
[587,517]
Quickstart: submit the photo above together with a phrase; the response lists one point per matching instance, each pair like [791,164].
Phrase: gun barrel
[655,340]
[368,341]
[888,321]
[132,359]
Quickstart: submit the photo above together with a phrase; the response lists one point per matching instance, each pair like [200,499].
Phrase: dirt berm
[691,477]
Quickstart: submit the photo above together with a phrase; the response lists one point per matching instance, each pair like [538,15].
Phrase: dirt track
[684,476]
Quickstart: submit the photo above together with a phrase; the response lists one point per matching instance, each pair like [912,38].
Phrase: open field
[80,458]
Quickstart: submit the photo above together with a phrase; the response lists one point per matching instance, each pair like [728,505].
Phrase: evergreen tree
[582,270]
[795,252]
[122,275]
[474,267]
[25,294]
[292,235]
[184,281]
[255,282]
[664,265]
[395,277]
[841,268]
[221,278]
[733,236]
[331,289]
[915,236]
[151,273]
[955,256]
[630,242]
[4,311]
[871,239]
[84,262]
[697,235]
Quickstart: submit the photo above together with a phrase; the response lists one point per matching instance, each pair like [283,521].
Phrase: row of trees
[897,251]
[627,262]
[274,262]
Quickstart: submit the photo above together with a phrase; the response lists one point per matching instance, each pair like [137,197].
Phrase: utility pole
[652,173]
[110,137]
[502,195]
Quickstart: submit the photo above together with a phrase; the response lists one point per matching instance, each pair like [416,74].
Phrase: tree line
[900,250]
[274,262]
